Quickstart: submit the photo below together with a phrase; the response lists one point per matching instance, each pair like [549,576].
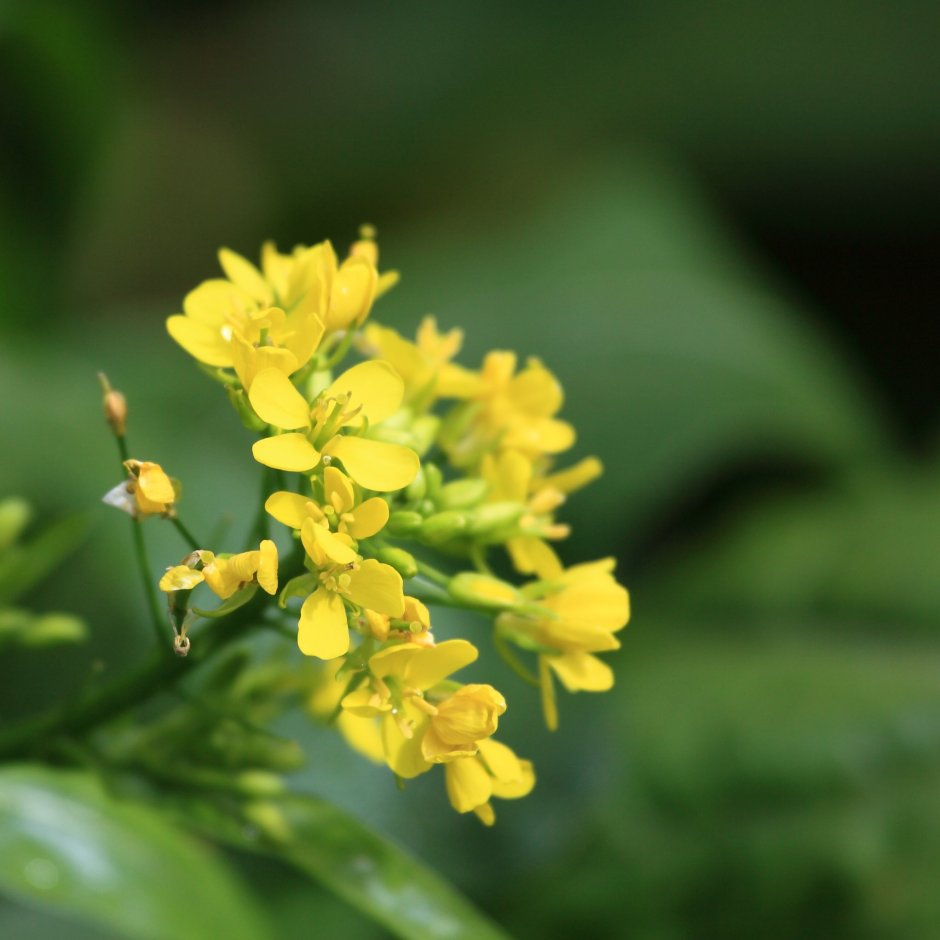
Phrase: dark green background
[719,225]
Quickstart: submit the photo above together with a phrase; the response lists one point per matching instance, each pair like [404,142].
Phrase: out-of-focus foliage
[770,764]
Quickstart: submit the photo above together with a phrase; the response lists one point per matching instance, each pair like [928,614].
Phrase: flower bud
[115,406]
[403,562]
[463,494]
[490,519]
[443,526]
[268,819]
[403,522]
[434,477]
[484,591]
[417,488]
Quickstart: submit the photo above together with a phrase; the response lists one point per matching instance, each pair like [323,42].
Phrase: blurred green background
[719,225]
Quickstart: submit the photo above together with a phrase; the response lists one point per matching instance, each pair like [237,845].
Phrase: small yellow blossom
[342,509]
[148,492]
[584,608]
[424,365]
[226,574]
[366,394]
[494,771]
[516,410]
[342,575]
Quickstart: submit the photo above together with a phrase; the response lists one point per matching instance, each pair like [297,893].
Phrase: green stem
[515,664]
[432,574]
[150,586]
[339,353]
[188,537]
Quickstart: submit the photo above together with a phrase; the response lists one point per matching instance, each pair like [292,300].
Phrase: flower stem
[188,537]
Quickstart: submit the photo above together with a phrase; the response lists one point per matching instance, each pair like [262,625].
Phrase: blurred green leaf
[68,844]
[22,566]
[866,548]
[678,356]
[370,873]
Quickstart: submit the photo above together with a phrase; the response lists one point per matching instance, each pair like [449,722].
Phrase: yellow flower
[342,510]
[515,411]
[227,325]
[425,365]
[461,722]
[415,615]
[494,771]
[148,492]
[226,574]
[584,608]
[364,395]
[342,575]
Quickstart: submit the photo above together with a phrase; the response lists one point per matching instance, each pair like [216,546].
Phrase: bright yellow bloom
[148,492]
[366,394]
[494,771]
[460,722]
[425,365]
[226,574]
[342,576]
[584,608]
[515,411]
[342,511]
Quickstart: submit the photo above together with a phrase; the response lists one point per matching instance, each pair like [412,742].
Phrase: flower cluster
[372,469]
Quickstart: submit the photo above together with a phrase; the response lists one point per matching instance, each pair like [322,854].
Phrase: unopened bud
[417,488]
[404,522]
[443,526]
[268,819]
[115,406]
[484,591]
[434,477]
[403,562]
[490,519]
[462,494]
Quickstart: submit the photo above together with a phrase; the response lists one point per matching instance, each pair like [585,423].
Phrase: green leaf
[863,549]
[677,357]
[68,844]
[22,566]
[369,872]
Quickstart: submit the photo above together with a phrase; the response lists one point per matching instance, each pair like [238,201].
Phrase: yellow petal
[338,490]
[323,630]
[403,754]
[387,280]
[511,474]
[377,587]
[375,465]
[362,735]
[245,276]
[422,667]
[267,567]
[276,401]
[370,517]
[303,332]
[181,578]
[513,789]
[500,760]
[202,342]
[545,436]
[286,452]
[536,391]
[249,360]
[375,386]
[289,508]
[574,477]
[534,556]
[597,601]
[468,784]
[352,294]
[319,540]
[582,672]
[154,483]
